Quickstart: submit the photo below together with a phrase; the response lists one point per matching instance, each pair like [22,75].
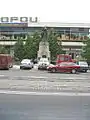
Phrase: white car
[43,63]
[83,66]
[26,64]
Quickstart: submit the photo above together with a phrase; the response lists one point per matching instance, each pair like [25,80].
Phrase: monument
[44,45]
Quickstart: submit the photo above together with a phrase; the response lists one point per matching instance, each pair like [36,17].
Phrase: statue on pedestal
[44,45]
[44,35]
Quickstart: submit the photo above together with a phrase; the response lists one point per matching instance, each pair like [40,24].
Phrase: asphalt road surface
[18,74]
[34,107]
[35,80]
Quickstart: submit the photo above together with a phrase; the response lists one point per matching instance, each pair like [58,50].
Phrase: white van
[83,66]
[43,63]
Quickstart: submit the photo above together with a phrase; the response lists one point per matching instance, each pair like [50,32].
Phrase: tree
[55,47]
[60,48]
[3,50]
[32,46]
[86,50]
[19,49]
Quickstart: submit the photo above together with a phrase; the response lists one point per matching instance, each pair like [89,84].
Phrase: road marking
[35,77]
[2,75]
[43,93]
[41,77]
[45,77]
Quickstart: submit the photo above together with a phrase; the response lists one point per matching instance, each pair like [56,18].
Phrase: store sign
[13,24]
[4,38]
[11,38]
[18,19]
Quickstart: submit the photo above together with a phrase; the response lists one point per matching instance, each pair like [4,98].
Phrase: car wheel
[7,68]
[38,68]
[20,67]
[53,70]
[73,71]
[85,71]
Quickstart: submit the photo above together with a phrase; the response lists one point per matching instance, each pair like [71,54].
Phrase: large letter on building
[33,19]
[4,19]
[13,19]
[24,19]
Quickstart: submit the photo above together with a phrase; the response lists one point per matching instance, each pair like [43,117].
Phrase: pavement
[39,107]
[35,80]
[39,95]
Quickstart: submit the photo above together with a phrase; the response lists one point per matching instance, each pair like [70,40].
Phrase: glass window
[66,58]
[41,60]
[67,64]
[61,58]
[45,60]
[71,64]
[82,63]
[81,29]
[25,61]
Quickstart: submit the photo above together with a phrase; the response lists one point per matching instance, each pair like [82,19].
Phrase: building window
[81,29]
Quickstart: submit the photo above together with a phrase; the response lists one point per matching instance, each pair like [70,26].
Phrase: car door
[64,67]
[61,67]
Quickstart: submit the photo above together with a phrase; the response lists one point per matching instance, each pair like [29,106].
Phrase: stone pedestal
[43,50]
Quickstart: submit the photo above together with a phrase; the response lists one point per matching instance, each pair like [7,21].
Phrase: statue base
[43,50]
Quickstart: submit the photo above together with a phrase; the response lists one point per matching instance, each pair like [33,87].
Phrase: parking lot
[15,72]
[35,79]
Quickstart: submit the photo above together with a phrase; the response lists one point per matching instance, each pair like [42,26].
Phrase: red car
[64,67]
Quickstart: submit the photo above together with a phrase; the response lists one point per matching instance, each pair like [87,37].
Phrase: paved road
[34,80]
[28,107]
[44,75]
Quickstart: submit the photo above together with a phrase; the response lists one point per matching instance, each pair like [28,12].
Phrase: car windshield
[67,64]
[25,61]
[83,63]
[41,61]
[45,60]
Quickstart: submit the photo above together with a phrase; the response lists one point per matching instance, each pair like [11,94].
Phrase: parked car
[6,61]
[83,66]
[43,64]
[64,67]
[26,64]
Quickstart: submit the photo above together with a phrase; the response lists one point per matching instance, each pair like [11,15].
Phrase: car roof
[82,61]
[66,62]
[26,60]
[43,58]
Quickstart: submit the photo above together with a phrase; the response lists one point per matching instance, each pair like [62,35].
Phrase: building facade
[72,35]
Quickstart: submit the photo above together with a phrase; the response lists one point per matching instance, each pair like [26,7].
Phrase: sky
[48,10]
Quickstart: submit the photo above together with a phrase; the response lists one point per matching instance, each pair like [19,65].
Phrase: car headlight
[47,67]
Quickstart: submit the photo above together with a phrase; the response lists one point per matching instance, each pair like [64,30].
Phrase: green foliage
[32,46]
[86,50]
[55,46]
[60,48]
[19,49]
[3,50]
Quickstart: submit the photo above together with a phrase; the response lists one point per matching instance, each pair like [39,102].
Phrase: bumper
[25,67]
[6,67]
[83,69]
[42,67]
